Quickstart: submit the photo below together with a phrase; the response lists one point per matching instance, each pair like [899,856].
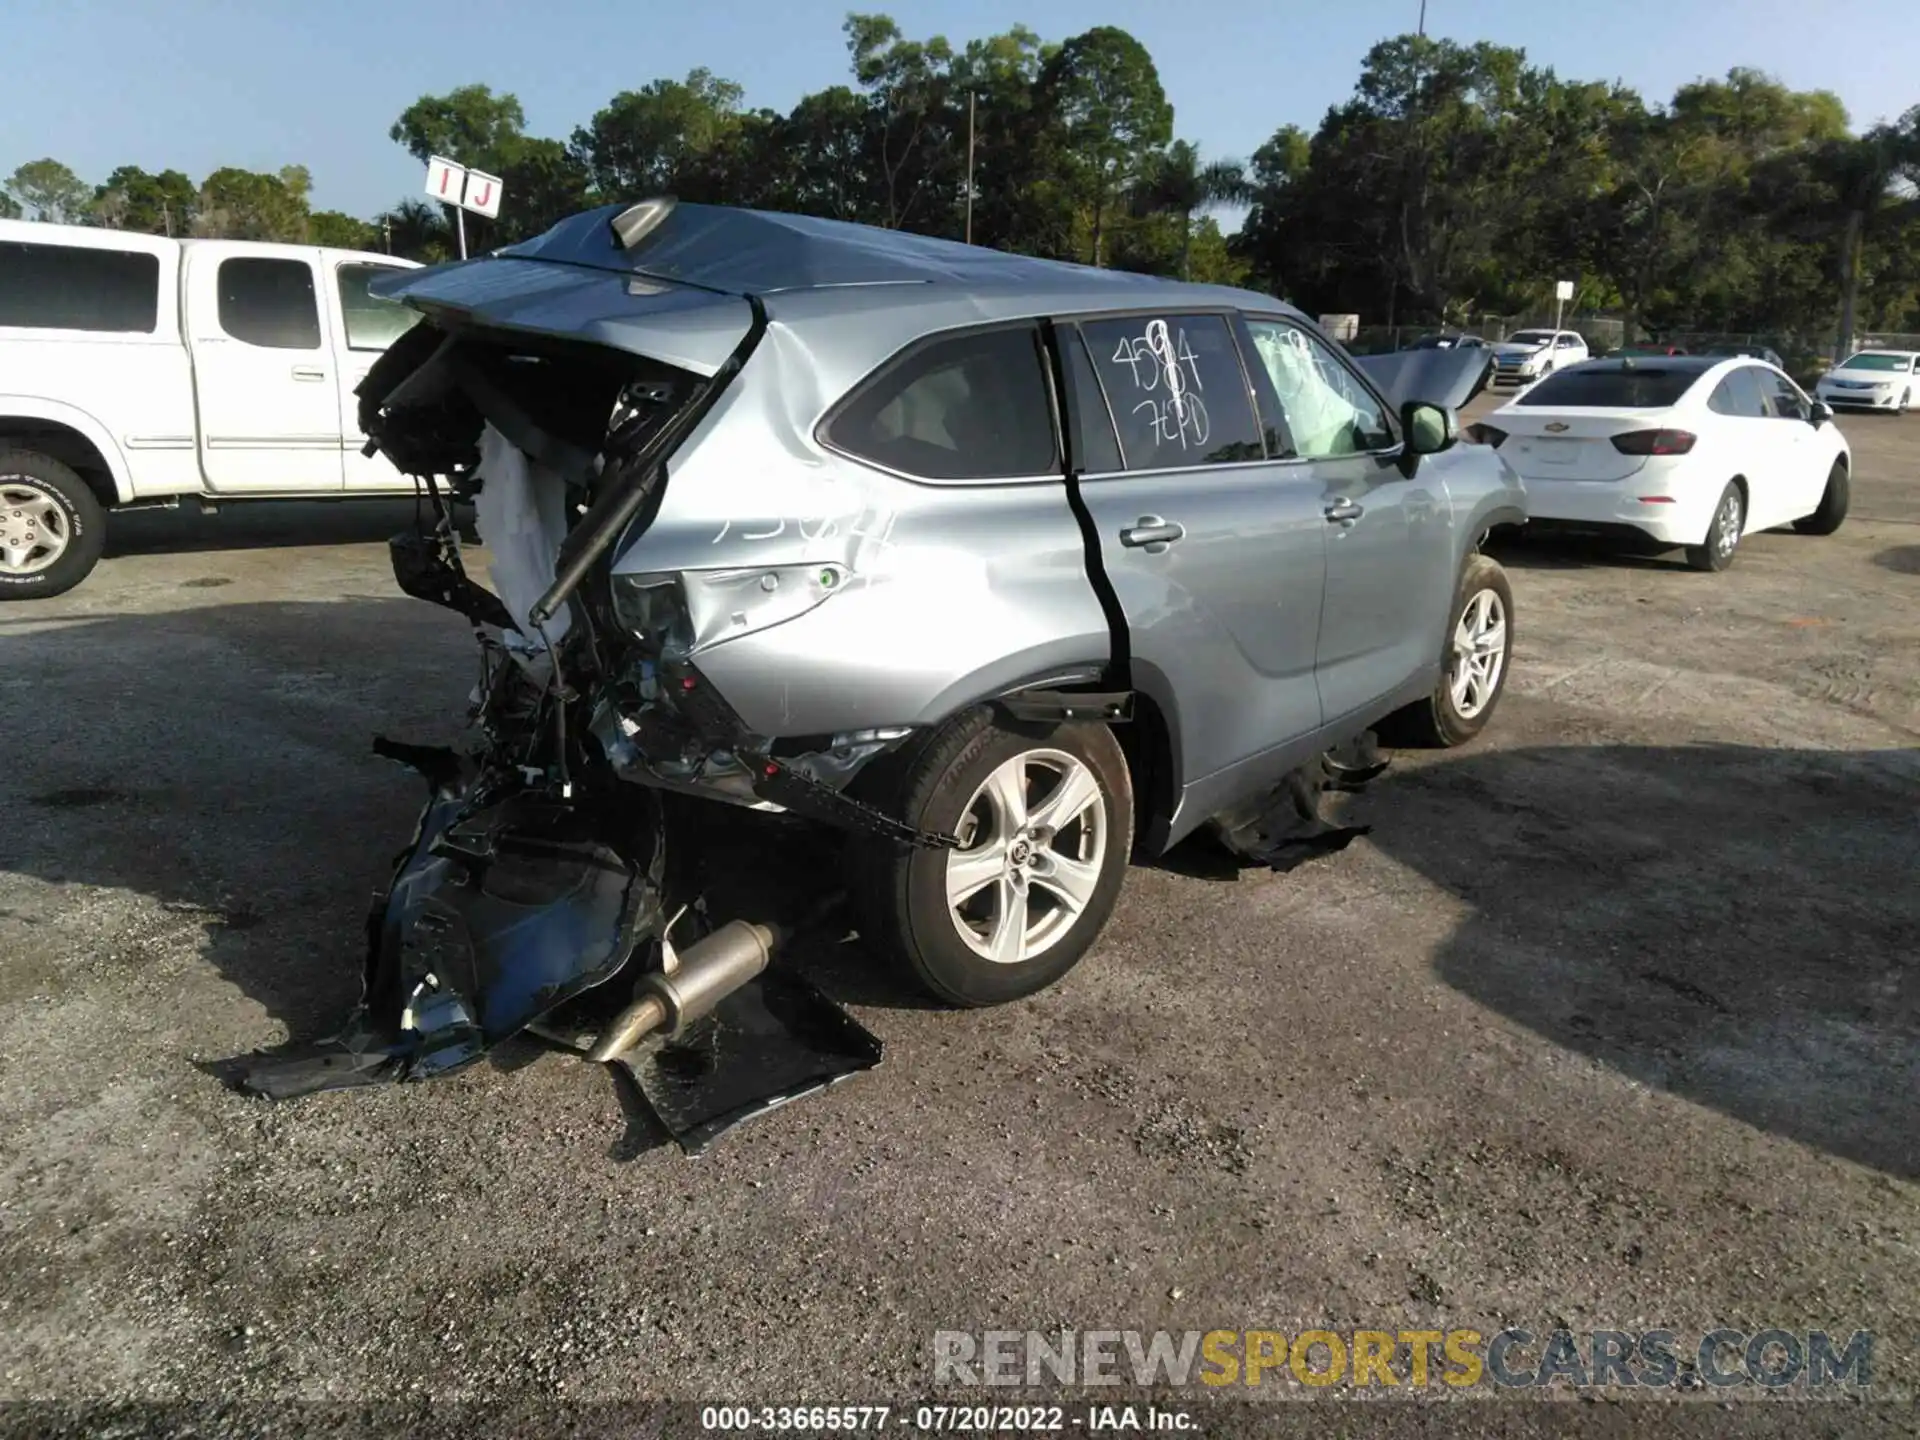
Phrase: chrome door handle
[308,372]
[1152,534]
[1344,511]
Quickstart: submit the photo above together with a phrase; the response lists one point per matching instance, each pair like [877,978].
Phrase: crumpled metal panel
[506,905]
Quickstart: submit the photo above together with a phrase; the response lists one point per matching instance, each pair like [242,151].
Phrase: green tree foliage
[247,205]
[1456,180]
[131,199]
[48,190]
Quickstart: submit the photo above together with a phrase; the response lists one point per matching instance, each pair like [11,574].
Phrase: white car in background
[1527,355]
[1685,450]
[1873,380]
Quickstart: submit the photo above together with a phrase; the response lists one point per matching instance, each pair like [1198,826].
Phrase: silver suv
[1007,569]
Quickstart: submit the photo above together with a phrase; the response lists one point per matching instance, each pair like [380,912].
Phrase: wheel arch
[71,436]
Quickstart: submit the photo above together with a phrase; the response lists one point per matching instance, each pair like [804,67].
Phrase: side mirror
[1821,414]
[1429,428]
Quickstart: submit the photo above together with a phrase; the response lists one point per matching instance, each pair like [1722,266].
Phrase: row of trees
[1457,180]
[230,204]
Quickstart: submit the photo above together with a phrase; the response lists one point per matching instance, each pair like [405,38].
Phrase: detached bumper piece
[516,909]
[1285,828]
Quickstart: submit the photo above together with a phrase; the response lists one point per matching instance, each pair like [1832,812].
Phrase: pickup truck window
[73,287]
[269,303]
[372,323]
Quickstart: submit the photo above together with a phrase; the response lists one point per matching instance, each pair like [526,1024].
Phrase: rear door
[1389,537]
[264,370]
[363,326]
[1217,554]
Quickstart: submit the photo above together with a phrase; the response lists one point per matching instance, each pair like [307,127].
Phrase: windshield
[1531,337]
[1643,388]
[1877,362]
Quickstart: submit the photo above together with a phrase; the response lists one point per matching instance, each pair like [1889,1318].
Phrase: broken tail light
[680,612]
[1655,442]
[1484,434]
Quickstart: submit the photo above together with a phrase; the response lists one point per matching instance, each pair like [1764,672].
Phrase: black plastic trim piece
[1120,664]
[1044,706]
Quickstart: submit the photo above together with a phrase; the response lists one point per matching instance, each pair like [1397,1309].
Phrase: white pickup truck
[136,370]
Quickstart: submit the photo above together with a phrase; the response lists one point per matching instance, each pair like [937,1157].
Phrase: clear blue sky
[196,84]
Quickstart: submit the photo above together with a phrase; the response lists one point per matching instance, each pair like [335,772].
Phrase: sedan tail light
[1655,442]
[1485,435]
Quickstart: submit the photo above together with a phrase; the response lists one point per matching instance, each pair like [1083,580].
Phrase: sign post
[1562,292]
[452,183]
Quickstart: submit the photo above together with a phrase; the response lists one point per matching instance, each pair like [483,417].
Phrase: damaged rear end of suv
[862,531]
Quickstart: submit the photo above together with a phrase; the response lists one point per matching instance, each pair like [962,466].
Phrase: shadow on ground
[1734,925]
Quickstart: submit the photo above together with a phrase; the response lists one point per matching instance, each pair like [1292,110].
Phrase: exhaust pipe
[708,971]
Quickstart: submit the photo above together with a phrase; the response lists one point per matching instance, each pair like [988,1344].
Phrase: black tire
[1717,551]
[1440,721]
[1906,396]
[900,892]
[74,507]
[1833,504]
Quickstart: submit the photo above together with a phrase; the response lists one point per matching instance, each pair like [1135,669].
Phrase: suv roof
[763,252]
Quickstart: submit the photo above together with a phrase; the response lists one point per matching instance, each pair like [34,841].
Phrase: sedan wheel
[1723,532]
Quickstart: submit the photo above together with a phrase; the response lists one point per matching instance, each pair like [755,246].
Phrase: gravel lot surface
[1613,1021]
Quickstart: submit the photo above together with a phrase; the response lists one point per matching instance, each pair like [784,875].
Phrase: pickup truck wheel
[1044,815]
[1474,672]
[52,529]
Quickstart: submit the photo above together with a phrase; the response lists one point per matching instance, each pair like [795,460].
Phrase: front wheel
[52,529]
[1723,532]
[1474,675]
[1833,504]
[1044,816]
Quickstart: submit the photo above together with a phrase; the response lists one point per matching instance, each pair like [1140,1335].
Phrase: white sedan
[1683,450]
[1874,380]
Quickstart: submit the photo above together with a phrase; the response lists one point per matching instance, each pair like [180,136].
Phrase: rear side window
[269,302]
[1647,387]
[1739,394]
[970,407]
[371,323]
[1176,389]
[71,287]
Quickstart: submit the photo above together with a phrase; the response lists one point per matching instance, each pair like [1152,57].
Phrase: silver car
[1006,570]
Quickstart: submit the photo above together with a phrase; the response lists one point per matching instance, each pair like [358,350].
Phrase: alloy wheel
[1032,842]
[1479,654]
[34,532]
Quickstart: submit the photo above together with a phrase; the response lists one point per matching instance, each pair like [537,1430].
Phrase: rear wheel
[1723,532]
[52,529]
[1479,642]
[1044,815]
[1833,504]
